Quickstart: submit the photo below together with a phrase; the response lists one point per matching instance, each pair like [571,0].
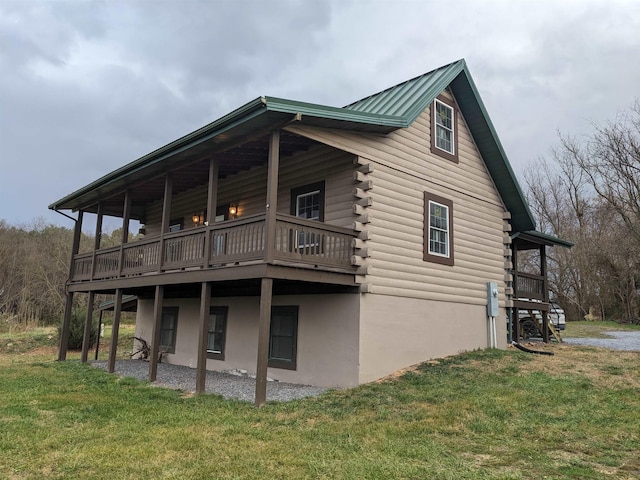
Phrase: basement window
[168,329]
[283,337]
[217,332]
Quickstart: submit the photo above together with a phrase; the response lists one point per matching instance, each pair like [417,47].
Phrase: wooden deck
[297,242]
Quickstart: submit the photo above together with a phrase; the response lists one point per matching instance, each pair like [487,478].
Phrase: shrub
[76,330]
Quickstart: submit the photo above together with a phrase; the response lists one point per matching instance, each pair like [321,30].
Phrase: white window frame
[433,228]
[439,125]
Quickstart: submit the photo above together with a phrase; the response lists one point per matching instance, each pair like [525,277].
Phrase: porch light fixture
[233,211]
[197,219]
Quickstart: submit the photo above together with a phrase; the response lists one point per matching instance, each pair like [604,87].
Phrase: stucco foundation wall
[397,332]
[328,329]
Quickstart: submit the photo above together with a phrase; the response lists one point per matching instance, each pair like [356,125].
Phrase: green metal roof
[386,111]
[540,238]
[409,99]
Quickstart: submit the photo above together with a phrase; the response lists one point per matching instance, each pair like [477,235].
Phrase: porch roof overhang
[241,135]
[239,139]
[533,239]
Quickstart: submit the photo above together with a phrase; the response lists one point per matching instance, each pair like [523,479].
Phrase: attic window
[444,135]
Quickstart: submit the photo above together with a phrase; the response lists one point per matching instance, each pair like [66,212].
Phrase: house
[321,245]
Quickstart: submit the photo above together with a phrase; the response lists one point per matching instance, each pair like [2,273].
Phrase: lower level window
[283,337]
[168,329]
[217,331]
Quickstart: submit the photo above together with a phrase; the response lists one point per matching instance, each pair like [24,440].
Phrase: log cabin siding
[403,170]
[248,189]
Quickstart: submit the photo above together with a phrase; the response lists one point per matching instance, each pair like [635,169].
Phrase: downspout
[64,214]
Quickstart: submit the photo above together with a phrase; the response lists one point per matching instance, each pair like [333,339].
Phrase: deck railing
[529,286]
[297,241]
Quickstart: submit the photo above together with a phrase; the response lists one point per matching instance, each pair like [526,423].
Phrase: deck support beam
[68,307]
[155,340]
[115,329]
[266,295]
[205,305]
[86,337]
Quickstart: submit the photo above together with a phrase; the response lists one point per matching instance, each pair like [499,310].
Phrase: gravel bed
[231,386]
[628,341]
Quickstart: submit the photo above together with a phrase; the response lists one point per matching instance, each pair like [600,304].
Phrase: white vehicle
[529,329]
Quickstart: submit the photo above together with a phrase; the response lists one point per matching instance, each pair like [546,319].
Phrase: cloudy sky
[88,86]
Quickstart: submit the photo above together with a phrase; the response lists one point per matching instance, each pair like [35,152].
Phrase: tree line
[34,267]
[587,191]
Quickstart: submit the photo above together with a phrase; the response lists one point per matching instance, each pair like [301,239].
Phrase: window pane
[217,325]
[168,325]
[282,336]
[438,229]
[444,127]
[308,205]
[443,115]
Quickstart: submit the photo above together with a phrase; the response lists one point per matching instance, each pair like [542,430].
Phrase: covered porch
[531,283]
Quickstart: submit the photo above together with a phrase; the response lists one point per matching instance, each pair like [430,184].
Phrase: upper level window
[176,225]
[444,127]
[308,201]
[438,229]
[444,141]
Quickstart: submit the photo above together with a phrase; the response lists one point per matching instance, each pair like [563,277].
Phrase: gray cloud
[86,87]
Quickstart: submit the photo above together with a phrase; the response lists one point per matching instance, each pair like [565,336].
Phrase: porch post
[212,206]
[98,238]
[545,295]
[515,318]
[166,215]
[155,336]
[126,214]
[201,370]
[272,196]
[86,338]
[266,291]
[115,329]
[68,307]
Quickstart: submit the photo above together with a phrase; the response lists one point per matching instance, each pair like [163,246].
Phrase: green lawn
[482,415]
[594,329]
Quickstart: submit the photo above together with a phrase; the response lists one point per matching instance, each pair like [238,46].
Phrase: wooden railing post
[212,206]
[126,214]
[166,216]
[272,196]
[98,237]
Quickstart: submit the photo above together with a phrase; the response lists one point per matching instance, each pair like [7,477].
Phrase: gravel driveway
[629,341]
[239,387]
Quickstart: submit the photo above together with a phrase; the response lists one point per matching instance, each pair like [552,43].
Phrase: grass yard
[482,415]
[595,329]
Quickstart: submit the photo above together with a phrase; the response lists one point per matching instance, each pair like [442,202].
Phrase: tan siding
[404,170]
[247,190]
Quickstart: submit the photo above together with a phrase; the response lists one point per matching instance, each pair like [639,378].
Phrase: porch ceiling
[191,169]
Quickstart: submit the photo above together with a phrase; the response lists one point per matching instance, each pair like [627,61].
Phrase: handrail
[229,242]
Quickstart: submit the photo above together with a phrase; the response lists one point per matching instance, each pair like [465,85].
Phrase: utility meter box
[492,299]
